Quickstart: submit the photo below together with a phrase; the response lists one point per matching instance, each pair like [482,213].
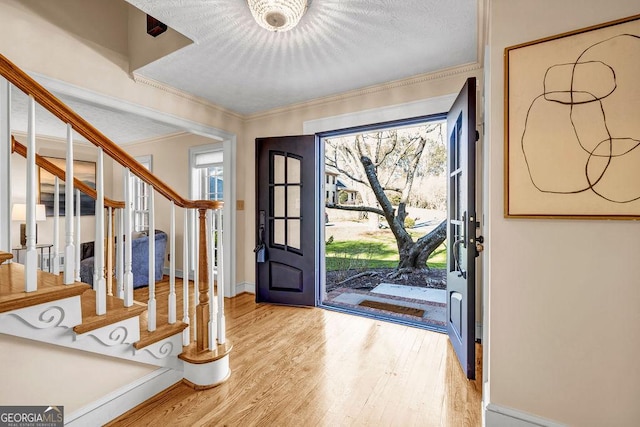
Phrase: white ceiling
[118,126]
[338,46]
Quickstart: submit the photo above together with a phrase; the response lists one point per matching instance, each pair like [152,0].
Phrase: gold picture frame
[572,124]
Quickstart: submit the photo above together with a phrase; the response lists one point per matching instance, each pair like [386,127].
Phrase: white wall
[564,295]
[53,148]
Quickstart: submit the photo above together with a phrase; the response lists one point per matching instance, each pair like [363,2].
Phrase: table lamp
[19,213]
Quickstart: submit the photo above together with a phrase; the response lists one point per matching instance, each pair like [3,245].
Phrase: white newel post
[78,237]
[151,306]
[5,165]
[55,269]
[172,266]
[128,274]
[69,248]
[99,282]
[186,338]
[220,276]
[31,258]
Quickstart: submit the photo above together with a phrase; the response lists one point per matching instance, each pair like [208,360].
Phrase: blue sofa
[139,260]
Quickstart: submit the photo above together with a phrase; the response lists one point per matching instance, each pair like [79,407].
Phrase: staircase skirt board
[63,313]
[120,401]
[162,353]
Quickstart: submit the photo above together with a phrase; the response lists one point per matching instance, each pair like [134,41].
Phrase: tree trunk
[414,254]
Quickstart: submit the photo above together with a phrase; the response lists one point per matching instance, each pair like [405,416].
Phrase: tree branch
[356,208]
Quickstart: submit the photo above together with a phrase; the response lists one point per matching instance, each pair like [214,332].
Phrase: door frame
[401,122]
[228,210]
[434,105]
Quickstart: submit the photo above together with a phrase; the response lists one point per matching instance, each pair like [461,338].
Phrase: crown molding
[154,139]
[186,95]
[409,81]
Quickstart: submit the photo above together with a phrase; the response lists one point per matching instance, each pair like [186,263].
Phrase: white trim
[407,110]
[105,101]
[502,416]
[245,287]
[122,400]
[325,101]
[228,148]
[5,164]
[186,95]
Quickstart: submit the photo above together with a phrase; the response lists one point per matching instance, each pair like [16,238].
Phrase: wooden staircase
[131,321]
[175,326]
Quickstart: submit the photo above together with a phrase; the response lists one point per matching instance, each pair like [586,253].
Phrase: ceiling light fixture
[277,15]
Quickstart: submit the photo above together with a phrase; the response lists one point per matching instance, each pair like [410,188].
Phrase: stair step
[164,331]
[50,288]
[5,256]
[116,312]
[192,355]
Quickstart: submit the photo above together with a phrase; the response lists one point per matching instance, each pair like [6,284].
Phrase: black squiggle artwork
[570,143]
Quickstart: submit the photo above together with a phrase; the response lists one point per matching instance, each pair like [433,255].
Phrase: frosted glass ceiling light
[277,15]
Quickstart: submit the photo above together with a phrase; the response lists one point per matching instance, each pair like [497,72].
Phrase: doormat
[393,308]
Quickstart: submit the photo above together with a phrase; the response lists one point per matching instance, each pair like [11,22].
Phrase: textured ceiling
[338,46]
[121,128]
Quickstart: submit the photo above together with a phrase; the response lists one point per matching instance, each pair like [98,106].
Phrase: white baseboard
[501,416]
[245,287]
[122,400]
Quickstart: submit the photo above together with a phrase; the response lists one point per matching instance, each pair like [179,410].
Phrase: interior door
[286,208]
[461,230]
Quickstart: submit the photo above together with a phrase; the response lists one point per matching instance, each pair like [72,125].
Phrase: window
[141,198]
[210,171]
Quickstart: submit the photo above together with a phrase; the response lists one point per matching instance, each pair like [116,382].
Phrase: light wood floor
[313,367]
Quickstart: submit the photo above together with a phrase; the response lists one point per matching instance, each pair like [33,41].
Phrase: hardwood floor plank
[314,367]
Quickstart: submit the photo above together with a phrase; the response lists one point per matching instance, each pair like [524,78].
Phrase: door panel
[286,206]
[461,230]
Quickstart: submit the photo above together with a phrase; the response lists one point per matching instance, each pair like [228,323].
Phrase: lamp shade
[19,212]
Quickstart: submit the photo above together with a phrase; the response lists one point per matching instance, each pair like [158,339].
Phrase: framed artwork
[572,124]
[83,170]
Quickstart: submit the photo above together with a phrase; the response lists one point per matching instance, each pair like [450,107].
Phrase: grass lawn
[373,250]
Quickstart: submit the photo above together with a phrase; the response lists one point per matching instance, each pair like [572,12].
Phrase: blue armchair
[139,260]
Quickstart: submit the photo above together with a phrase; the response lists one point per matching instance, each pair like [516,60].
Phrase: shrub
[409,222]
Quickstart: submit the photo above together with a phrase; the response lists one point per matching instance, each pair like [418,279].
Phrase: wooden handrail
[46,99]
[16,147]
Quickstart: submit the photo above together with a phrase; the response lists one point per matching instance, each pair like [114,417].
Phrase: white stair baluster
[99,282]
[78,238]
[31,257]
[128,274]
[109,248]
[172,266]
[195,238]
[220,275]
[55,268]
[69,248]
[186,338]
[5,165]
[212,328]
[120,254]
[151,305]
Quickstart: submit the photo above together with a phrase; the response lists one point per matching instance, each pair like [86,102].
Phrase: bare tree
[384,164]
